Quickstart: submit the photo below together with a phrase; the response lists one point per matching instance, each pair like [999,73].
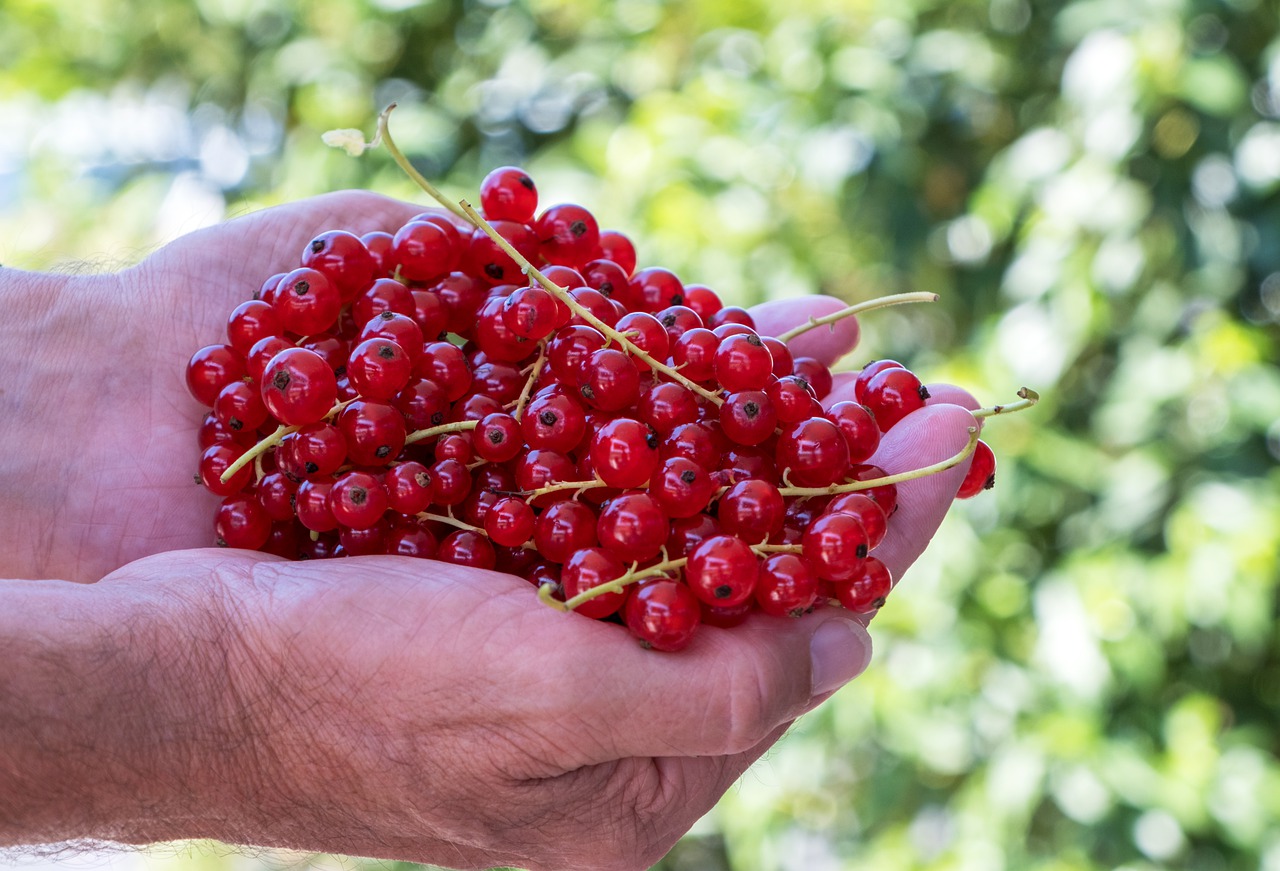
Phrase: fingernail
[840,651]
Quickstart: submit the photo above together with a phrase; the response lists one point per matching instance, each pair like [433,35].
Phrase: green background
[1083,672]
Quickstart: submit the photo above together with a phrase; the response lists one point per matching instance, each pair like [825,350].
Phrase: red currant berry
[394,327]
[410,539]
[537,469]
[835,546]
[409,489]
[867,590]
[742,362]
[530,312]
[467,548]
[450,482]
[430,314]
[319,449]
[250,322]
[276,494]
[655,288]
[982,472]
[563,529]
[783,362]
[813,453]
[567,235]
[298,387]
[590,568]
[307,302]
[609,381]
[677,320]
[379,368]
[666,405]
[694,354]
[624,452]
[422,251]
[378,244]
[787,586]
[662,614]
[446,365]
[871,370]
[748,418]
[688,532]
[694,441]
[610,278]
[752,510]
[793,399]
[816,374]
[239,407]
[858,427]
[497,438]
[509,521]
[374,431]
[486,261]
[422,403]
[211,369]
[216,460]
[732,314]
[241,522]
[722,571]
[702,300]
[632,526]
[646,333]
[344,259]
[886,495]
[893,394]
[618,248]
[682,488]
[313,506]
[358,500]
[868,512]
[262,353]
[508,194]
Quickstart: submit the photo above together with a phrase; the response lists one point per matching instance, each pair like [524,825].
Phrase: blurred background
[1084,671]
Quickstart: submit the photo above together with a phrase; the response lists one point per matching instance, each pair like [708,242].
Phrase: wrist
[122,717]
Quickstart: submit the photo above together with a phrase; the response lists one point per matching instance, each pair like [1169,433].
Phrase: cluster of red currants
[622,440]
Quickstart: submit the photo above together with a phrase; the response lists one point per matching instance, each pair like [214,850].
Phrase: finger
[922,438]
[827,344]
[727,691]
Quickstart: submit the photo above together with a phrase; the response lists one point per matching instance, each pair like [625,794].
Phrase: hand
[368,706]
[99,430]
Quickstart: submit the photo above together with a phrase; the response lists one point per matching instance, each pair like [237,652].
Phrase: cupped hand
[110,455]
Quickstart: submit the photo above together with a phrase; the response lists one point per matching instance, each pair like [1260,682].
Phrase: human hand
[98,430]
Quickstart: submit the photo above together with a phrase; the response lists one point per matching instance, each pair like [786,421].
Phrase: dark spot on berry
[311,468]
[293,501]
[437,418]
[220,542]
[340,372]
[990,482]
[751,410]
[317,245]
[196,477]
[723,591]
[646,645]
[924,392]
[677,299]
[302,288]
[281,380]
[496,437]
[386,316]
[358,495]
[587,391]
[382,452]
[606,288]
[578,229]
[669,320]
[688,476]
[879,602]
[754,340]
[548,418]
[861,551]
[236,424]
[525,182]
[422,479]
[651,440]
[493,270]
[386,352]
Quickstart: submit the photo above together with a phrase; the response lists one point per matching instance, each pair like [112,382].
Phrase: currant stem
[858,308]
[581,311]
[258,450]
[459,426]
[384,131]
[632,576]
[1027,396]
[871,483]
[530,495]
[534,374]
[452,521]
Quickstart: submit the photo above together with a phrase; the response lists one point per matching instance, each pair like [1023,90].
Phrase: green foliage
[1084,672]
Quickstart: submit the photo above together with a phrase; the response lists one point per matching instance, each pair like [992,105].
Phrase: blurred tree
[1084,673]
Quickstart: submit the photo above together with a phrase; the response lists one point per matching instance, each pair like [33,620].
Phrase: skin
[378,706]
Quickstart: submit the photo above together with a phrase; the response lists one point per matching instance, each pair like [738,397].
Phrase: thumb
[730,689]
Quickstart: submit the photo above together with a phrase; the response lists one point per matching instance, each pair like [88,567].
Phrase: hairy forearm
[112,715]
